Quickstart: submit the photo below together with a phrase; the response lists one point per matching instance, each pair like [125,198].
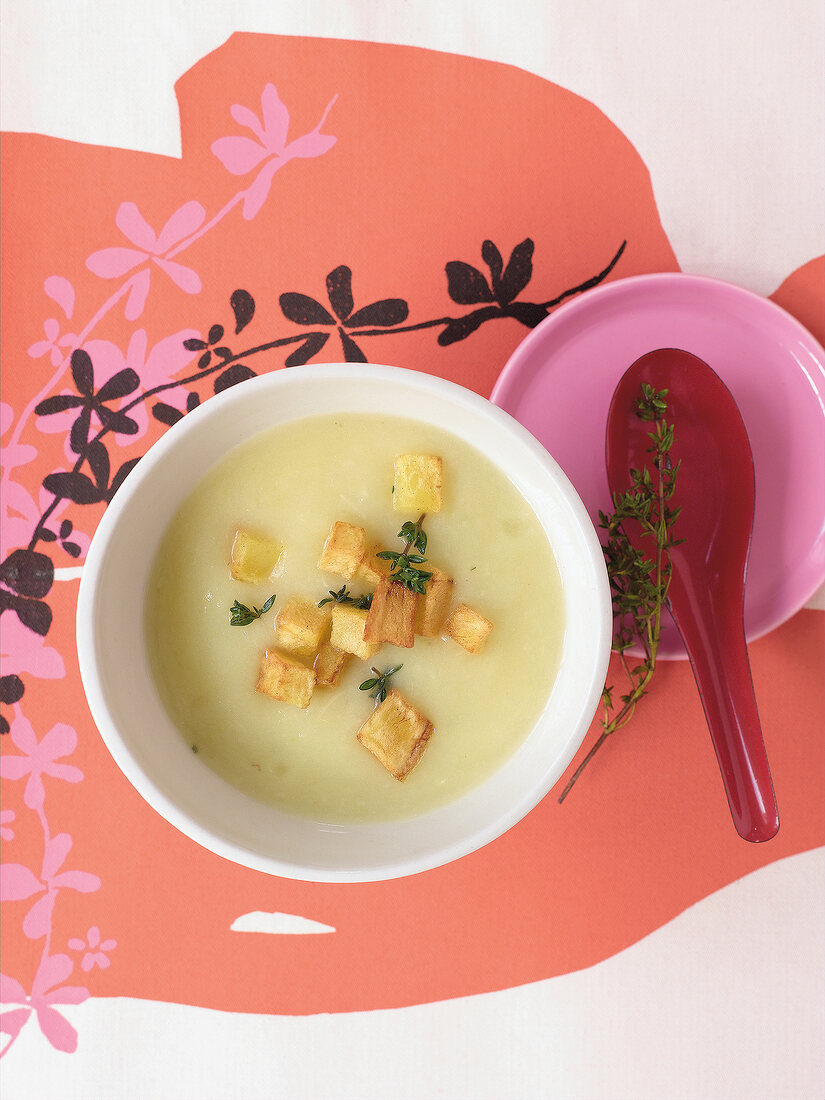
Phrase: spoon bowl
[715,491]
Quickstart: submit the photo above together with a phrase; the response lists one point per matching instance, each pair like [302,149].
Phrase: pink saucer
[559,382]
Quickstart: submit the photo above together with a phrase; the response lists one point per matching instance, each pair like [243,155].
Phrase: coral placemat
[323,209]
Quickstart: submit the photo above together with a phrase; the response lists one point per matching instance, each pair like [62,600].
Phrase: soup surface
[292,483]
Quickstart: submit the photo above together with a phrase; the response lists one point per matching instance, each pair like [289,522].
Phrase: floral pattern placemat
[324,209]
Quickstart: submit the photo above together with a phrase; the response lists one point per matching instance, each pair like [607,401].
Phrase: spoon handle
[714,636]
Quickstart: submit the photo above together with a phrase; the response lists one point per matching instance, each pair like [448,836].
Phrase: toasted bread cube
[347,633]
[434,604]
[254,558]
[284,679]
[329,664]
[417,484]
[468,628]
[301,625]
[391,617]
[396,734]
[343,550]
[373,568]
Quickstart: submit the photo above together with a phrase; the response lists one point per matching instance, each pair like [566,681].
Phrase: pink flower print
[39,758]
[6,816]
[20,516]
[60,290]
[239,155]
[12,992]
[12,1021]
[25,651]
[18,882]
[53,343]
[13,455]
[159,366]
[38,920]
[166,359]
[17,509]
[151,248]
[53,970]
[96,954]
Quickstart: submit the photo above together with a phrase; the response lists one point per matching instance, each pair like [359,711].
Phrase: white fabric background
[725,103]
[723,1003]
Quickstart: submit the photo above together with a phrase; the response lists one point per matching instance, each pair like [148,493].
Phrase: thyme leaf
[405,565]
[379,682]
[639,584]
[241,615]
[414,535]
[343,596]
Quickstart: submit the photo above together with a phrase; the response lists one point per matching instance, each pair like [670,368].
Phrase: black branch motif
[88,402]
[495,294]
[27,574]
[468,286]
[303,310]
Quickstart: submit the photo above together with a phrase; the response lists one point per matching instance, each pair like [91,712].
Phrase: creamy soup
[292,483]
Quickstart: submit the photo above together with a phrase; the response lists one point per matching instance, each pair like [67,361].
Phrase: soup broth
[291,483]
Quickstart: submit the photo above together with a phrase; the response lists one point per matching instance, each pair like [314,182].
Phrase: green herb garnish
[405,566]
[241,615]
[414,535]
[343,596]
[638,584]
[379,682]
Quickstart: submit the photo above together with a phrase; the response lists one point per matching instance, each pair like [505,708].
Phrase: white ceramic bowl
[154,757]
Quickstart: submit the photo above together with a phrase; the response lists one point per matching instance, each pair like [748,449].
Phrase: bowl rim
[319,374]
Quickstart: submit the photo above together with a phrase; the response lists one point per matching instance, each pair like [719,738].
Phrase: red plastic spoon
[715,490]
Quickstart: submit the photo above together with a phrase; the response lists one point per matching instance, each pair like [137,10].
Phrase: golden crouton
[468,628]
[343,550]
[329,664]
[373,568]
[301,625]
[434,604]
[417,484]
[396,734]
[284,679]
[254,558]
[391,617]
[348,631]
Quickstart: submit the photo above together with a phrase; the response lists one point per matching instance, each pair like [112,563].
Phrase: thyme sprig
[379,682]
[639,584]
[343,596]
[405,566]
[241,615]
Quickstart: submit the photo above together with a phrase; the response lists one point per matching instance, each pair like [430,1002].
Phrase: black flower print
[88,402]
[468,286]
[303,310]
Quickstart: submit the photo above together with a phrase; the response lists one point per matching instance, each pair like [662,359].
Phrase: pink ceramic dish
[560,380]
